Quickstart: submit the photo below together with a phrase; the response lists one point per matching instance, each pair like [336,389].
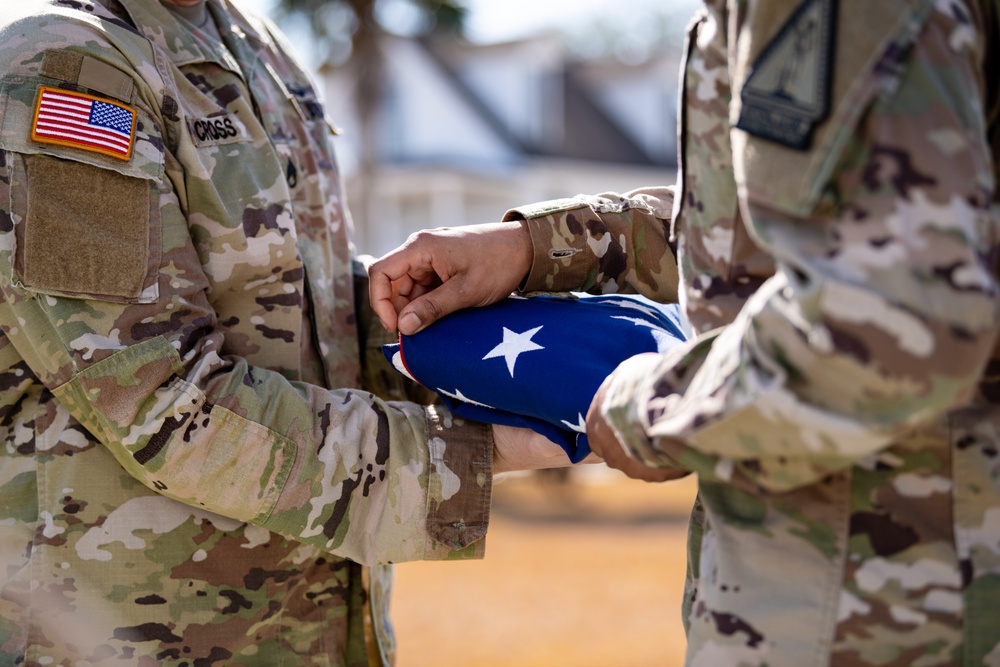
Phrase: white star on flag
[665,341]
[459,396]
[580,426]
[513,345]
[630,303]
[636,321]
[397,363]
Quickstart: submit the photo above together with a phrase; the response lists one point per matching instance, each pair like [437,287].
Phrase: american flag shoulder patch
[87,122]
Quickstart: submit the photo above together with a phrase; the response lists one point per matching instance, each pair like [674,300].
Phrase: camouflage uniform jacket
[836,227]
[187,477]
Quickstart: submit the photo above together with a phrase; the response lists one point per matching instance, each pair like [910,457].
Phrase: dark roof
[591,134]
[588,132]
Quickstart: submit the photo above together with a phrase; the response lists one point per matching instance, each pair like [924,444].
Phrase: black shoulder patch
[787,92]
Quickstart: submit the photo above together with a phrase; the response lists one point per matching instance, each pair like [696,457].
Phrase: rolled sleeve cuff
[460,484]
[560,262]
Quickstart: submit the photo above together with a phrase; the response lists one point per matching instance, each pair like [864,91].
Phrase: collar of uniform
[160,26]
[244,37]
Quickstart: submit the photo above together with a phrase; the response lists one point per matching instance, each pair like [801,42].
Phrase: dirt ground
[582,572]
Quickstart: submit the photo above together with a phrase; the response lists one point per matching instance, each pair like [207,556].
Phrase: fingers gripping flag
[535,362]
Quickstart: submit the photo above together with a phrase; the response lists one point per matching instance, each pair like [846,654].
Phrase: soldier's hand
[605,444]
[523,449]
[439,271]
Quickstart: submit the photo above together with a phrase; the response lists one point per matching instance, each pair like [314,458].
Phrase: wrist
[518,251]
[519,449]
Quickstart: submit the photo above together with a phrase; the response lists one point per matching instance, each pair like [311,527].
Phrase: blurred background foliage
[346,33]
[343,28]
[346,28]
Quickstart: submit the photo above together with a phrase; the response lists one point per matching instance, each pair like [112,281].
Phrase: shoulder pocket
[806,72]
[87,224]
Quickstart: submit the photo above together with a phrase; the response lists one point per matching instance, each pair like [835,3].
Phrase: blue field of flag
[535,361]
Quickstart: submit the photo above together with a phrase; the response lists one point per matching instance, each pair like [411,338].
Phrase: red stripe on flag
[59,128]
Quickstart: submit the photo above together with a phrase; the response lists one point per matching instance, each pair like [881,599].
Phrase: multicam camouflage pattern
[840,406]
[218,380]
[602,244]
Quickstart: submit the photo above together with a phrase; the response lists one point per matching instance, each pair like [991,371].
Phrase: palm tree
[348,34]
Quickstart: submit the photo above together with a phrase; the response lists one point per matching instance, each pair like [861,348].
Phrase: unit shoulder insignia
[787,92]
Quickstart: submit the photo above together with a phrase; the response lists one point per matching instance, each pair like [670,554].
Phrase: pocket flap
[806,72]
[19,128]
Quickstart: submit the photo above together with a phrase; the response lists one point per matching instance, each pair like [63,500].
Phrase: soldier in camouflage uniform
[186,479]
[836,229]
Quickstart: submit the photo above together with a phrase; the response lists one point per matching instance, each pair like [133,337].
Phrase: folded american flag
[536,361]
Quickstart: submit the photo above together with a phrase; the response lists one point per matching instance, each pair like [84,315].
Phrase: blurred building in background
[461,132]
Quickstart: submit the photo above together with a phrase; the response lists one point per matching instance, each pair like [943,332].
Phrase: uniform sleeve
[603,244]
[882,314]
[106,301]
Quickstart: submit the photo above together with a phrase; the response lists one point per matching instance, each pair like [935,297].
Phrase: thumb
[432,306]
